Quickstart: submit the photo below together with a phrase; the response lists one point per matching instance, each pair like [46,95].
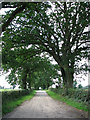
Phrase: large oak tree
[56,28]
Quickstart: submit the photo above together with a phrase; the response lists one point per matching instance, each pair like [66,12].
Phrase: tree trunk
[29,85]
[67,76]
[63,76]
[47,84]
[24,82]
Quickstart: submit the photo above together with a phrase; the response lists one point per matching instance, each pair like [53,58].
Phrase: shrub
[12,95]
[78,94]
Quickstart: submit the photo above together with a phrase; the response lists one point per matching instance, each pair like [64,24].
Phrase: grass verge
[70,101]
[10,105]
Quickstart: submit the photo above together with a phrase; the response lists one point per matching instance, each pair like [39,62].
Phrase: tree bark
[67,76]
[29,82]
[24,82]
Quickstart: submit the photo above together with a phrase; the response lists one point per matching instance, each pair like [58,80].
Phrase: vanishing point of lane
[43,106]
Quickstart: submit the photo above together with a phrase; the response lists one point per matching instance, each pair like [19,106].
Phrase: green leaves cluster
[56,28]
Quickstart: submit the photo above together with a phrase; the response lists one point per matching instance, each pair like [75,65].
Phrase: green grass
[70,101]
[7,90]
[10,105]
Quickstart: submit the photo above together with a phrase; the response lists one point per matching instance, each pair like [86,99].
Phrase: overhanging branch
[12,16]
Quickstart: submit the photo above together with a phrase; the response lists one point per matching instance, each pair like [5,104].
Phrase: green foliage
[38,70]
[80,86]
[74,84]
[78,94]
[34,30]
[26,65]
[9,104]
[70,101]
[13,94]
[44,76]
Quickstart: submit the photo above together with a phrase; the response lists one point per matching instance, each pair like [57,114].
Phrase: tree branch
[12,16]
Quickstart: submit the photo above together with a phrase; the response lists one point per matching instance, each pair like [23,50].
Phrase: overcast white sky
[4,83]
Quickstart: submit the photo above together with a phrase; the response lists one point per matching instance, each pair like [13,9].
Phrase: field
[7,89]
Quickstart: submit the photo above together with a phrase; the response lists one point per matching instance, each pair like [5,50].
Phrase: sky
[4,83]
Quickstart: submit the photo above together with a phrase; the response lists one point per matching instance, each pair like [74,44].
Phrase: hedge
[12,95]
[78,94]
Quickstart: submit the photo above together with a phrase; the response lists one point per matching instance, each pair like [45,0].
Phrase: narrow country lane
[43,106]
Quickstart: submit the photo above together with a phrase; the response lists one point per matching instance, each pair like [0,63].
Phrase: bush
[12,95]
[78,94]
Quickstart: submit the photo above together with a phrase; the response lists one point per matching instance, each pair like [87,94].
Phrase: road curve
[43,106]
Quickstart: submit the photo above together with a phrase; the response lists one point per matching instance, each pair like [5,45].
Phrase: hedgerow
[12,95]
[78,94]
